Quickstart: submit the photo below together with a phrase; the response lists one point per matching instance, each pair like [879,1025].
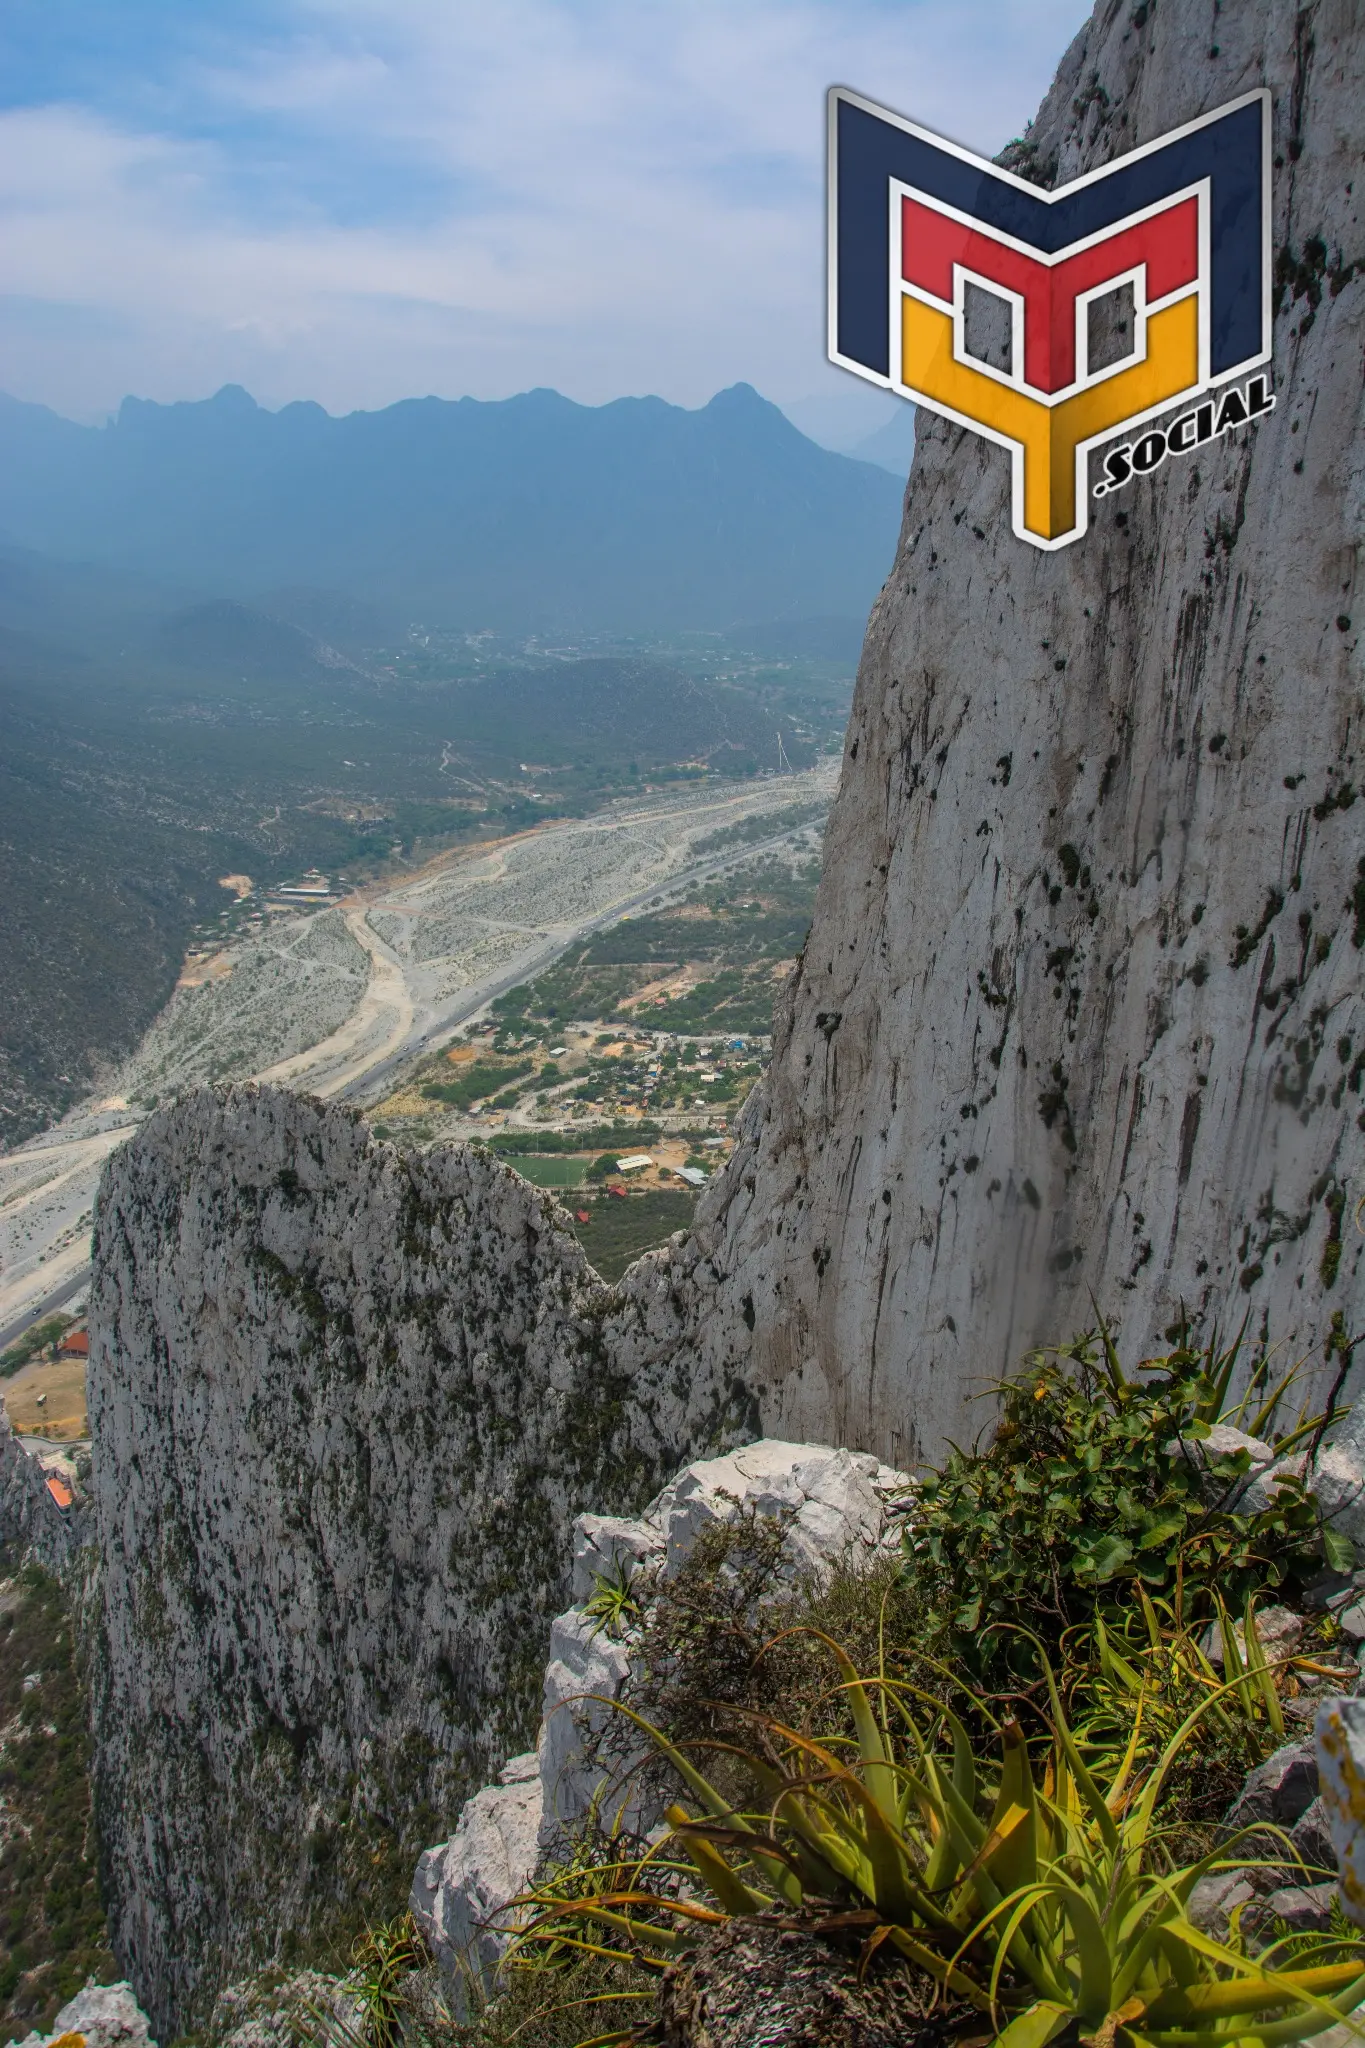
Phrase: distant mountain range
[526,515]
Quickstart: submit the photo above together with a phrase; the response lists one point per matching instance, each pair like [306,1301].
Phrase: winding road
[47,1187]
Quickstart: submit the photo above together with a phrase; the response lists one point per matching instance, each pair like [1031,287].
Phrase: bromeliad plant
[1097,1483]
[1036,1900]
[1143,1660]
[612,1605]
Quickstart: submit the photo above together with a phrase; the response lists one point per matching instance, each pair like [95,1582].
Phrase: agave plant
[611,1604]
[382,1961]
[1042,1899]
[1146,1658]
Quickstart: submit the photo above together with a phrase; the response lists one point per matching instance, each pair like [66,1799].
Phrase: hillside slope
[529,514]
[149,746]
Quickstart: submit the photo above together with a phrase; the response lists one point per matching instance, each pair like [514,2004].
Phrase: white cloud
[397,196]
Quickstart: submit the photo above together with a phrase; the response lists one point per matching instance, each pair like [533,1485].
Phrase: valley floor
[338,1003]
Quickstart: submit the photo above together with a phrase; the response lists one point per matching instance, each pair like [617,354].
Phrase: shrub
[1090,1489]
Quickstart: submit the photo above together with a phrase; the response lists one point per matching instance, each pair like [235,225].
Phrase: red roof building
[75,1344]
[60,1491]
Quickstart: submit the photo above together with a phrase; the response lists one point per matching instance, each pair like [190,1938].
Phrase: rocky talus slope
[345,1404]
[1081,1004]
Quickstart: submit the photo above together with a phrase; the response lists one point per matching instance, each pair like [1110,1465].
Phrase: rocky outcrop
[99,2016]
[30,1519]
[833,1507]
[1339,1741]
[462,1888]
[1080,1009]
[345,1406]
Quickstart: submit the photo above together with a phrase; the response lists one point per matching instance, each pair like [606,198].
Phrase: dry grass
[63,1416]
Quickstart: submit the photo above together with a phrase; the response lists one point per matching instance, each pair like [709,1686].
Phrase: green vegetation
[512,1144]
[610,1604]
[1009,1807]
[619,1229]
[1028,1883]
[32,1342]
[382,1960]
[477,1083]
[1095,1485]
[52,1932]
[742,927]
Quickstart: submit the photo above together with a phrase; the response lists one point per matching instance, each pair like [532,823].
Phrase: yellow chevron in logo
[1049,440]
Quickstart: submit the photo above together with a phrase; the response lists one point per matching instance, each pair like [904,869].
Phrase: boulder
[1304,1908]
[1313,1854]
[1216,1898]
[1263,1482]
[463,1887]
[1338,1478]
[1280,1790]
[101,2016]
[835,1500]
[1278,1630]
[603,1544]
[1223,1441]
[1311,1835]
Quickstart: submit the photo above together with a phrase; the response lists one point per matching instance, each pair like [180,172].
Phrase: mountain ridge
[527,513]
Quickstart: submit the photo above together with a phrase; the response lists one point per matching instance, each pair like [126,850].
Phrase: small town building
[75,1344]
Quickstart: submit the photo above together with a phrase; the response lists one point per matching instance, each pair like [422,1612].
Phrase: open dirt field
[63,1415]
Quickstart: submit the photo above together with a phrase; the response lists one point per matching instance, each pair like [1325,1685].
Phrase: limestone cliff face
[345,1406]
[30,1520]
[1081,1005]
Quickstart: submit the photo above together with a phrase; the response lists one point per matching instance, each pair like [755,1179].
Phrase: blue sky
[359,200]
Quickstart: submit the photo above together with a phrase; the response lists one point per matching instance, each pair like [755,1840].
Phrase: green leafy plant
[1140,1661]
[611,1604]
[382,1961]
[1040,1900]
[1096,1483]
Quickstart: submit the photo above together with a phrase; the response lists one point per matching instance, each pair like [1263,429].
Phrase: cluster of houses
[58,1473]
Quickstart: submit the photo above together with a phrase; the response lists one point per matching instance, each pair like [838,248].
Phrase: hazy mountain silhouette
[528,514]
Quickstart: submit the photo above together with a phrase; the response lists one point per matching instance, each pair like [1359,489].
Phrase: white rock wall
[834,1505]
[345,1406]
[993,1089]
